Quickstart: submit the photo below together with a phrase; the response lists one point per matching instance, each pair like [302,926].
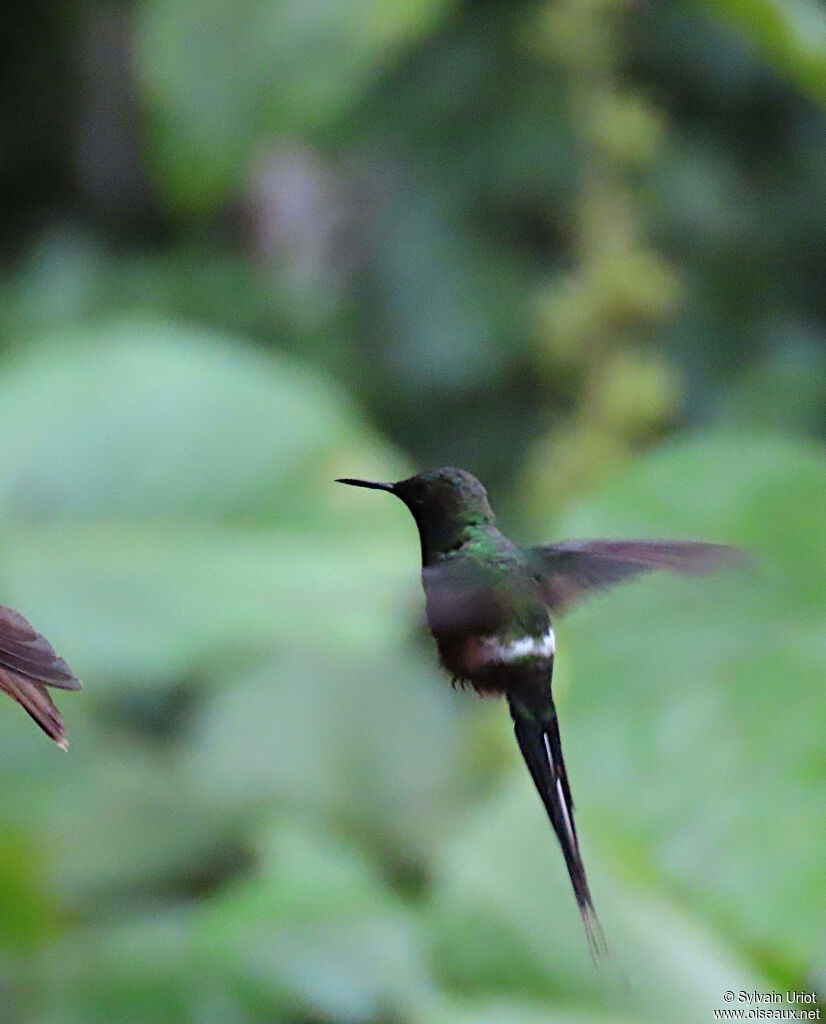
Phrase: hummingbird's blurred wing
[27,662]
[461,600]
[569,571]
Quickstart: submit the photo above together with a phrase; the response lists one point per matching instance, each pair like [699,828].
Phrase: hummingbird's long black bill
[367,483]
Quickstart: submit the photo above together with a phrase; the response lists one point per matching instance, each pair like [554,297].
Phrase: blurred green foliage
[576,246]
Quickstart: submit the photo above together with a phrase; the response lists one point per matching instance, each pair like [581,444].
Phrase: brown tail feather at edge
[33,698]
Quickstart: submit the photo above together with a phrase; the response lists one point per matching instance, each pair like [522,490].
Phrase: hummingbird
[28,664]
[489,603]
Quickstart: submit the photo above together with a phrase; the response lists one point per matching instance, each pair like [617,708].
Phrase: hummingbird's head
[447,492]
[444,502]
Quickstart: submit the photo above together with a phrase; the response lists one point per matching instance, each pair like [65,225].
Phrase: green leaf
[169,507]
[792,34]
[694,705]
[153,600]
[144,418]
[368,734]
[504,920]
[139,970]
[219,77]
[316,929]
[138,828]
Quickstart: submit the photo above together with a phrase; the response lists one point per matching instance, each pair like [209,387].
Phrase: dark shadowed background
[577,247]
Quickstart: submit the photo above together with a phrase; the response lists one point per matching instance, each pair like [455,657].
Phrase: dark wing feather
[24,650]
[28,664]
[570,570]
[458,602]
[33,697]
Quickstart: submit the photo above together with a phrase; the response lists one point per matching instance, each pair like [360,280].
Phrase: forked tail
[538,738]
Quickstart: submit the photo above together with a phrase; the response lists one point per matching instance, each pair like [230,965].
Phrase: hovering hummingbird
[488,604]
[28,664]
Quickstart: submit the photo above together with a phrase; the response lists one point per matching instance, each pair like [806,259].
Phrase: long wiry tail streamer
[538,738]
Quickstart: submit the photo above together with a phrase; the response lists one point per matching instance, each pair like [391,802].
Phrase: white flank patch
[525,647]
